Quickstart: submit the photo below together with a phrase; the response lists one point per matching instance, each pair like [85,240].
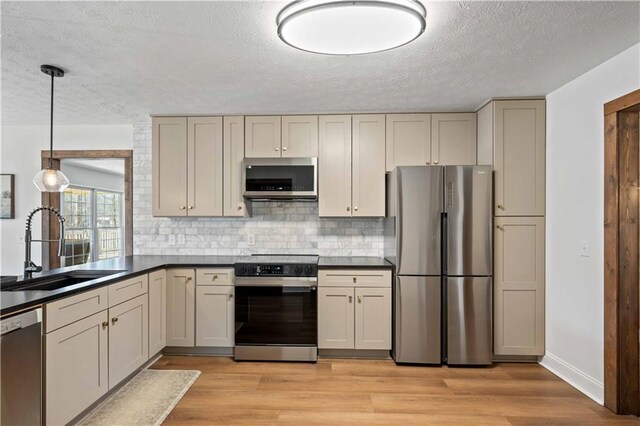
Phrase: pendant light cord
[51,131]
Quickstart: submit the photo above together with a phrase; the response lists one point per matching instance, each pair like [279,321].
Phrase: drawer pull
[355,280]
[500,227]
[215,277]
[359,299]
[114,320]
[500,206]
[105,324]
[230,296]
[350,299]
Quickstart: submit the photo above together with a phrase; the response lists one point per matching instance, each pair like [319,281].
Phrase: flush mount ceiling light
[341,27]
[50,179]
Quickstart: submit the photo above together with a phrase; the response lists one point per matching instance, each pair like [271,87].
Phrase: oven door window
[279,178]
[276,316]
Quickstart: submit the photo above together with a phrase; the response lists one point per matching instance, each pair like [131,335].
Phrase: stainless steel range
[276,308]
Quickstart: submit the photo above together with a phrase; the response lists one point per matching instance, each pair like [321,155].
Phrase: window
[93,224]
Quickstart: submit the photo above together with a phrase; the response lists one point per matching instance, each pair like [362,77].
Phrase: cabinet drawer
[128,289]
[214,276]
[71,309]
[354,278]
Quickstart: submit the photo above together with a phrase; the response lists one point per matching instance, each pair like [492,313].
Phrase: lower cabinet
[351,316]
[128,338]
[76,365]
[181,307]
[519,286]
[215,316]
[157,311]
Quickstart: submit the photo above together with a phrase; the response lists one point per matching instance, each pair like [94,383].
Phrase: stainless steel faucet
[29,266]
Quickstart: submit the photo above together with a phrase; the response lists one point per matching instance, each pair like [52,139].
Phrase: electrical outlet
[585,248]
[251,240]
[181,239]
[21,238]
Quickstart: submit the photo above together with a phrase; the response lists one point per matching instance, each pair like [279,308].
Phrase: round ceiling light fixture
[342,27]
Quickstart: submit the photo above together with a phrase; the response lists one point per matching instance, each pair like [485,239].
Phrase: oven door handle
[276,281]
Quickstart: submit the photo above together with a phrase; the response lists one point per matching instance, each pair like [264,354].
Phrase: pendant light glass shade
[51,180]
[351,27]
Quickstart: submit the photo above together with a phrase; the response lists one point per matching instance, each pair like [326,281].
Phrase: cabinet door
[180,307]
[300,136]
[408,140]
[169,163]
[215,316]
[262,136]
[204,165]
[335,318]
[519,286]
[453,139]
[373,318]
[233,202]
[368,165]
[334,166]
[157,311]
[76,370]
[128,338]
[519,157]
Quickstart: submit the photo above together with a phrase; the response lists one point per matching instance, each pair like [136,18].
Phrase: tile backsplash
[277,226]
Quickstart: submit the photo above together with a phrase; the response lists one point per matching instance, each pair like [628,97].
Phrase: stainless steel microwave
[280,178]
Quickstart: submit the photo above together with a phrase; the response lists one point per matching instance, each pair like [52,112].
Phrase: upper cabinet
[233,151]
[275,136]
[187,166]
[262,136]
[351,165]
[300,136]
[512,136]
[453,139]
[408,140]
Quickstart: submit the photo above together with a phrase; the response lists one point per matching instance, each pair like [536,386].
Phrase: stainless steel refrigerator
[438,235]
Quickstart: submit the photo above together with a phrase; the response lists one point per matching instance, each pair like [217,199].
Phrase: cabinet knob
[348,208]
[435,162]
[277,149]
[230,296]
[190,207]
[359,299]
[428,163]
[500,227]
[182,207]
[114,320]
[188,278]
[355,279]
[356,208]
[500,206]
[105,324]
[215,277]
[239,208]
[350,299]
[284,148]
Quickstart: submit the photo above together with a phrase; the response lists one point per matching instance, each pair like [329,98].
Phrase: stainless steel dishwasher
[21,368]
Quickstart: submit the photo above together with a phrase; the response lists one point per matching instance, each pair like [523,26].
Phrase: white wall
[575,203]
[20,155]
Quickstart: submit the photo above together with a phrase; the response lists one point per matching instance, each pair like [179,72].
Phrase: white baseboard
[586,384]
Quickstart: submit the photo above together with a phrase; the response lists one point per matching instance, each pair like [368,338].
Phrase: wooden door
[180,307]
[408,140]
[204,165]
[373,318]
[262,136]
[300,136]
[76,370]
[519,286]
[519,158]
[368,169]
[169,164]
[157,311]
[334,166]
[128,338]
[335,318]
[215,320]
[233,152]
[453,139]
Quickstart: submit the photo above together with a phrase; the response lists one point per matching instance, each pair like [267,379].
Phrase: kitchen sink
[55,282]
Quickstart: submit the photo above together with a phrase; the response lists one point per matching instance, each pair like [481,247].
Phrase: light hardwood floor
[367,392]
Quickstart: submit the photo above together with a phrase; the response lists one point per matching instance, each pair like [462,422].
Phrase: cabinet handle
[284,148]
[189,278]
[359,299]
[190,207]
[105,324]
[356,208]
[114,320]
[348,208]
[500,227]
[215,277]
[428,163]
[355,279]
[182,207]
[500,206]
[435,162]
[239,208]
[230,296]
[350,299]
[277,149]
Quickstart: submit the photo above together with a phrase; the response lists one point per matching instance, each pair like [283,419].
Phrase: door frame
[621,254]
[50,228]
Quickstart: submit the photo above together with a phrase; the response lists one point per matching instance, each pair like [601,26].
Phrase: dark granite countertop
[353,262]
[130,266]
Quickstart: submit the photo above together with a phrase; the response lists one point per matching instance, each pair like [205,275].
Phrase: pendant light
[350,27]
[50,179]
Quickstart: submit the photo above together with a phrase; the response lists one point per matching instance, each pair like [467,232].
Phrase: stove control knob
[298,270]
[242,269]
[308,270]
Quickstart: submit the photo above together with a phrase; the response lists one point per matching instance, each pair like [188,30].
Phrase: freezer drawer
[469,320]
[417,320]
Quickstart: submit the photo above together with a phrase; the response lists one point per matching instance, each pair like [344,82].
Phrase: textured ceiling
[126,60]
